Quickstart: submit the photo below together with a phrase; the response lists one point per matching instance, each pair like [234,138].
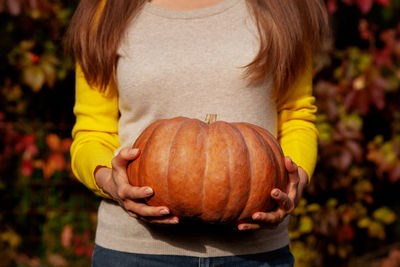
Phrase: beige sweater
[187,63]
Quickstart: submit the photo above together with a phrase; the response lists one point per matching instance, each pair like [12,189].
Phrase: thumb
[293,176]
[291,167]
[124,157]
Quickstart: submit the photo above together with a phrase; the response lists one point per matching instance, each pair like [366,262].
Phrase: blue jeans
[103,257]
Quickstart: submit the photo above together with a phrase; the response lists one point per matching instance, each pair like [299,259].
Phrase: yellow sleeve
[95,133]
[297,132]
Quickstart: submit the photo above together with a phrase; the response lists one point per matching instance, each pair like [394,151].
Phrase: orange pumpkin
[217,172]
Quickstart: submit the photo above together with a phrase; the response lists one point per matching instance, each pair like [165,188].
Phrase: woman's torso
[188,63]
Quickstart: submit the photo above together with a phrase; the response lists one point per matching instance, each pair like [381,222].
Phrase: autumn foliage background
[349,213]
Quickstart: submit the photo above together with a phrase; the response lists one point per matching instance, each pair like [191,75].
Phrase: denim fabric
[103,257]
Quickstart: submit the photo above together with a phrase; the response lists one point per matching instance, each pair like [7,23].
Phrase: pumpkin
[214,171]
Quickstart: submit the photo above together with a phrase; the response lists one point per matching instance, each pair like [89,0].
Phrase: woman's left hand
[298,178]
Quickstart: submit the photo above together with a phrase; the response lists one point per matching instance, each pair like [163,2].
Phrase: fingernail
[275,192]
[133,151]
[243,227]
[148,191]
[292,162]
[164,211]
[173,221]
[256,217]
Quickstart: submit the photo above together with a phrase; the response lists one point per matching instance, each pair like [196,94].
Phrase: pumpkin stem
[211,118]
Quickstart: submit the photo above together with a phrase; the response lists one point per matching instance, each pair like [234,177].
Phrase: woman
[141,61]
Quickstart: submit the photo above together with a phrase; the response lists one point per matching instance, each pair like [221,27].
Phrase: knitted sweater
[186,63]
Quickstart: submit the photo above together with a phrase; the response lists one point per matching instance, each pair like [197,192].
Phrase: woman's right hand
[115,183]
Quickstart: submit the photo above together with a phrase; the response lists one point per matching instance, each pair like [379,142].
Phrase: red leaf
[348,2]
[349,99]
[27,168]
[33,4]
[89,251]
[55,162]
[66,144]
[358,100]
[342,159]
[377,93]
[383,57]
[346,232]
[365,5]
[363,28]
[394,174]
[31,150]
[384,2]
[363,102]
[53,141]
[80,250]
[33,57]
[389,37]
[25,141]
[66,236]
[356,150]
[14,7]
[331,6]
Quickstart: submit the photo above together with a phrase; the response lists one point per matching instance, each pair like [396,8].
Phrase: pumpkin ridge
[275,147]
[145,151]
[173,142]
[205,171]
[215,178]
[258,196]
[229,184]
[202,138]
[271,151]
[251,189]
[237,130]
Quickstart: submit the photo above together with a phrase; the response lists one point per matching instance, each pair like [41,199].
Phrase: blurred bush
[47,218]
[349,213]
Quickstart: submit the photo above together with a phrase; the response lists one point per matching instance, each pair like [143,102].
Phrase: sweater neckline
[189,13]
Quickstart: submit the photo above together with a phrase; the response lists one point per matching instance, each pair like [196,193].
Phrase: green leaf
[364,222]
[360,209]
[376,229]
[306,224]
[363,186]
[384,215]
[11,237]
[50,73]
[34,77]
[27,44]
[313,207]
[332,203]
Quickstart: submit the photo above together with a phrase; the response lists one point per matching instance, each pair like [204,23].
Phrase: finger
[290,165]
[167,220]
[144,210]
[132,214]
[255,226]
[274,217]
[285,201]
[248,226]
[126,191]
[294,178]
[293,173]
[124,156]
[119,165]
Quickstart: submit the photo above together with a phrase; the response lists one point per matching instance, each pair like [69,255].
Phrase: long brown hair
[290,31]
